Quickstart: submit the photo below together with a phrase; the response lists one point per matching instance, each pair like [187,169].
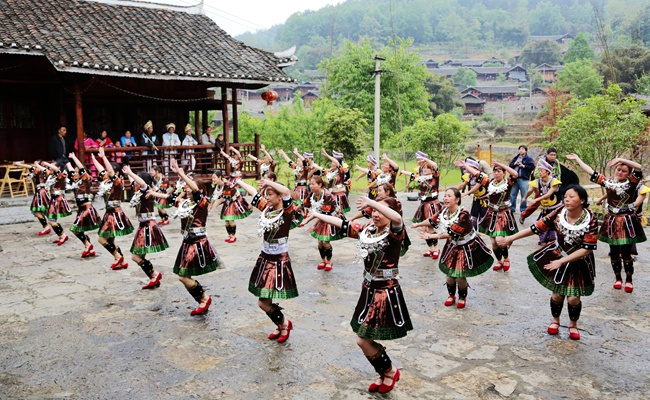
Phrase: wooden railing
[200,159]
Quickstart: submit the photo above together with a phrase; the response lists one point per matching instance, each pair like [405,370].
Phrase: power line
[216,11]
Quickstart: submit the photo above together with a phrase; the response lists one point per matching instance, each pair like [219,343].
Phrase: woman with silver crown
[499,219]
[272,277]
[566,266]
[301,169]
[621,226]
[235,206]
[381,312]
[546,189]
[115,222]
[465,254]
[196,255]
[476,190]
[428,178]
[148,238]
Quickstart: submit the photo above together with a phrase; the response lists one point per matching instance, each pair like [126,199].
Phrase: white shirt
[171,140]
[189,141]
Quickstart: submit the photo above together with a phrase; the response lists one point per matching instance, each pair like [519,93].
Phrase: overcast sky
[239,16]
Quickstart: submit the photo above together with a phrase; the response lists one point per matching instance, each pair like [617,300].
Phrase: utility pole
[377,75]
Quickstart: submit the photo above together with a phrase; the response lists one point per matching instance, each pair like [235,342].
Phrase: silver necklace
[445,220]
[573,232]
[369,243]
[619,187]
[268,221]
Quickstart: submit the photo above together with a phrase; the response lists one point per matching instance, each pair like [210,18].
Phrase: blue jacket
[527,169]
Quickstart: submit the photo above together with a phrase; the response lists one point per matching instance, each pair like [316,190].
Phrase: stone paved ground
[72,328]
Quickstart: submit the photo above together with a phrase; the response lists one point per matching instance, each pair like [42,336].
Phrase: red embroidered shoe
[506,265]
[427,254]
[275,334]
[45,231]
[498,266]
[629,287]
[450,301]
[202,309]
[618,284]
[461,303]
[387,388]
[164,222]
[574,333]
[61,240]
[553,328]
[328,266]
[283,338]
[89,252]
[374,387]
[154,283]
[435,254]
[321,265]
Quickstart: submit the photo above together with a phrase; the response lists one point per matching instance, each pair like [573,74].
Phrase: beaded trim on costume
[370,243]
[445,222]
[424,178]
[135,200]
[331,175]
[218,190]
[497,188]
[49,183]
[619,187]
[264,167]
[269,220]
[573,232]
[297,171]
[180,186]
[233,162]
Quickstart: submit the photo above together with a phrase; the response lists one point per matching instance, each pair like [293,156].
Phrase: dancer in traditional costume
[477,191]
[115,222]
[371,173]
[621,226]
[196,255]
[59,208]
[499,219]
[87,216]
[301,170]
[320,200]
[465,254]
[42,198]
[149,237]
[235,206]
[161,185]
[272,277]
[337,179]
[381,312]
[566,266]
[266,163]
[546,189]
[429,179]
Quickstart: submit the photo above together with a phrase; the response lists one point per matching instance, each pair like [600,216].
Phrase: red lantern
[269,96]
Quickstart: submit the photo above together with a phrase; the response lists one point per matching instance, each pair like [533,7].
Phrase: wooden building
[473,104]
[491,93]
[90,66]
[549,72]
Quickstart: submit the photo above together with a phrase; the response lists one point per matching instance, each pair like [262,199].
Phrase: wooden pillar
[204,120]
[80,122]
[225,123]
[235,124]
[257,154]
[197,126]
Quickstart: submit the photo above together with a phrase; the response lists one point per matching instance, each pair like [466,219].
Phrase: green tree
[443,96]
[643,84]
[464,77]
[547,19]
[442,137]
[580,79]
[601,127]
[624,66]
[579,49]
[350,83]
[344,130]
[540,52]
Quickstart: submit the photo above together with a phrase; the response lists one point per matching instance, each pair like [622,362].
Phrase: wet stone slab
[74,329]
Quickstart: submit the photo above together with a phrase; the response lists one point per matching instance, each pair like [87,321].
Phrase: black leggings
[622,251]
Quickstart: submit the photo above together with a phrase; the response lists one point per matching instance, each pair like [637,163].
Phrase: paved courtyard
[72,328]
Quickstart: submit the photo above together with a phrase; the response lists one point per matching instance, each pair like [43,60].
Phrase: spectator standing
[524,165]
[57,147]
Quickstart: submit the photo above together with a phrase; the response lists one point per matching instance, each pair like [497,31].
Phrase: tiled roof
[491,70]
[108,39]
[492,89]
[443,71]
[471,99]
